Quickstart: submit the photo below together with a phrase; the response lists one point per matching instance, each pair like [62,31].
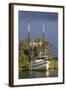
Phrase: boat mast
[43,32]
[28,29]
[45,46]
[43,35]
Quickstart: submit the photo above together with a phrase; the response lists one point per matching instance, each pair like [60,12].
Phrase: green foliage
[24,45]
[31,52]
[53,64]
[23,59]
[38,39]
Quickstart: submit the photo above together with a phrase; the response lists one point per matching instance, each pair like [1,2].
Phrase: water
[38,74]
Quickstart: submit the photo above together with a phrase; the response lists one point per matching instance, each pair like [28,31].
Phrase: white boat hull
[39,65]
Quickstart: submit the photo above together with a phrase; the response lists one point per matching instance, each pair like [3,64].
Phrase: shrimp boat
[41,61]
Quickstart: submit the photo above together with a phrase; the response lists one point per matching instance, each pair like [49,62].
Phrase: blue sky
[36,21]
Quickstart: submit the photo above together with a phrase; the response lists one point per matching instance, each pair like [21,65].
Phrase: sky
[37,19]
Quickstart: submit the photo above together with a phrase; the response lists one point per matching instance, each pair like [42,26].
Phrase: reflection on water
[38,74]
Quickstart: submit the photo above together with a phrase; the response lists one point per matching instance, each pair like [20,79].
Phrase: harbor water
[38,74]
